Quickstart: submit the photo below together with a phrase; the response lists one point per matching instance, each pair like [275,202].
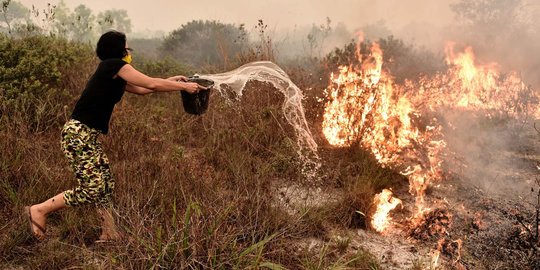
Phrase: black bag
[197,103]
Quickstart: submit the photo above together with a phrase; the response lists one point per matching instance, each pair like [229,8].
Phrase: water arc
[268,72]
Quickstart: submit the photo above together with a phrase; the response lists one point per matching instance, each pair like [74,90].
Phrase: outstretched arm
[136,78]
[138,90]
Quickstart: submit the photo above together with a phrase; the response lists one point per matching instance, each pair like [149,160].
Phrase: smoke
[495,155]
[498,154]
[493,151]
[505,32]
[315,40]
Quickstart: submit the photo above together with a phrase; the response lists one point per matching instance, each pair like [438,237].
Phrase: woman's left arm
[145,91]
[138,90]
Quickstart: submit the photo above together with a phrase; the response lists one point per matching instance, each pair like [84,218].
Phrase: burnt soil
[487,219]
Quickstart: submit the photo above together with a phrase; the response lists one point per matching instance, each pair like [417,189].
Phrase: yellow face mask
[127,59]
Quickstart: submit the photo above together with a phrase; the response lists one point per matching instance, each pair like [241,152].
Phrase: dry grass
[192,192]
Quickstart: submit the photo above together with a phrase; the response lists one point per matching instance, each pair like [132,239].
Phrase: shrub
[164,67]
[403,60]
[201,43]
[39,75]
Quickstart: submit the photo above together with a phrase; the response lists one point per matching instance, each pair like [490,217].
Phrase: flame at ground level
[385,203]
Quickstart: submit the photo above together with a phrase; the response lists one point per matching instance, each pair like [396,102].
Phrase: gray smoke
[498,156]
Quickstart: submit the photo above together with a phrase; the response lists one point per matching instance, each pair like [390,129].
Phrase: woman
[91,116]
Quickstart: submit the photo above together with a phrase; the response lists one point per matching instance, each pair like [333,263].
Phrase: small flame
[385,203]
[459,244]
[435,259]
[437,253]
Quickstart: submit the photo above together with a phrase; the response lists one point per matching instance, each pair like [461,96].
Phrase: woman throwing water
[114,75]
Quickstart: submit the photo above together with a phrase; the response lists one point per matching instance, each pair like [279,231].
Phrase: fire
[469,85]
[354,87]
[365,106]
[385,203]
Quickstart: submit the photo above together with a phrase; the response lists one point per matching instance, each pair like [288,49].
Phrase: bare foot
[109,232]
[38,221]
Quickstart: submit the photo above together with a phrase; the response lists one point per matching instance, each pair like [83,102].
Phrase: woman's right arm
[137,78]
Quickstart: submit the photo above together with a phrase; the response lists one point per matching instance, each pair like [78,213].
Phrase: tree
[12,12]
[82,24]
[114,19]
[317,35]
[489,14]
[62,19]
[200,43]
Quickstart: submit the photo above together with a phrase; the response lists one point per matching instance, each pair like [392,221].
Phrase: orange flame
[385,203]
[435,259]
[478,87]
[366,106]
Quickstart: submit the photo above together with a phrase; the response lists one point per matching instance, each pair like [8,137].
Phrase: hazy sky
[166,15]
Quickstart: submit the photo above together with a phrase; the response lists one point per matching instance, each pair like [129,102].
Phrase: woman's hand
[189,87]
[178,78]
[192,87]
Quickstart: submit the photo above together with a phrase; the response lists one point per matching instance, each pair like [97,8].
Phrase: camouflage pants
[89,163]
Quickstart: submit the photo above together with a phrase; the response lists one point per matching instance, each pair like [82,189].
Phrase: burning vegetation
[404,126]
[395,183]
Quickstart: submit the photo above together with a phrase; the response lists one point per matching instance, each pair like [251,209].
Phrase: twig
[538,131]
[538,217]
[537,238]
[520,220]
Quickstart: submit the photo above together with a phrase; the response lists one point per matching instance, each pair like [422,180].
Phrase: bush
[39,76]
[404,61]
[203,43]
[161,67]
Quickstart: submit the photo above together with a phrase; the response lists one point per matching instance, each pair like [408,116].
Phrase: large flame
[365,106]
[468,85]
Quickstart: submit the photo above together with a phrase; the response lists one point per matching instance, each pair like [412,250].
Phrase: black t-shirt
[102,92]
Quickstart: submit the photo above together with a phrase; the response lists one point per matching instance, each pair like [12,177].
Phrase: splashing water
[268,72]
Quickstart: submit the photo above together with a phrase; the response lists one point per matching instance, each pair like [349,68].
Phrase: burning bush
[404,61]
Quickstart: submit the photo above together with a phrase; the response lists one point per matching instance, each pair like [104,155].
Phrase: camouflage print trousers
[91,166]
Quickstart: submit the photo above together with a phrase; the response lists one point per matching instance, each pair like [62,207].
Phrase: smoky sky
[167,15]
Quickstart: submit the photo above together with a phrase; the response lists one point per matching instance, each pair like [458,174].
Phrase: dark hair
[111,45]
